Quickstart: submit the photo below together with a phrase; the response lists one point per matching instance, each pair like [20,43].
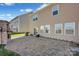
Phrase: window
[42,29]
[35,18]
[47,28]
[55,10]
[69,28]
[58,28]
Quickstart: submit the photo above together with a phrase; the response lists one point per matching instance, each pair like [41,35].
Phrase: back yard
[33,46]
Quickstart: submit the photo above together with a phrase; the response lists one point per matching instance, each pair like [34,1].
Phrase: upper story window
[58,28]
[35,18]
[55,10]
[69,28]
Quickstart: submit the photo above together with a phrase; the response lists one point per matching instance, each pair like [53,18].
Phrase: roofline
[48,4]
[26,13]
[20,15]
[14,18]
[4,21]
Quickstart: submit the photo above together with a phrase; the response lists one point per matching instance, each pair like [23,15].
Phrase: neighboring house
[20,23]
[14,24]
[57,20]
[4,29]
[60,21]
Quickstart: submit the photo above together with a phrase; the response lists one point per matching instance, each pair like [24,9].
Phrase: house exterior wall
[68,13]
[20,23]
[4,33]
[24,23]
[14,24]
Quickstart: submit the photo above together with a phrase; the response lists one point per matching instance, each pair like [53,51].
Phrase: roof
[4,21]
[20,15]
[14,18]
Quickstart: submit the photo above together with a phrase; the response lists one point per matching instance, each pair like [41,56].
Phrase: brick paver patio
[32,46]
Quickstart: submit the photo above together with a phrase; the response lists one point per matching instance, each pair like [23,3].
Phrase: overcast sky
[10,10]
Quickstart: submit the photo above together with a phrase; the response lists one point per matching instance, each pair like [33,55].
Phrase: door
[35,31]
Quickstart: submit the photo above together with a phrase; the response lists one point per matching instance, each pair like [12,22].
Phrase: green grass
[5,52]
[17,35]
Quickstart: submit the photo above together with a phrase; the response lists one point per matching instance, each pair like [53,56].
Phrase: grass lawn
[7,53]
[4,52]
[17,35]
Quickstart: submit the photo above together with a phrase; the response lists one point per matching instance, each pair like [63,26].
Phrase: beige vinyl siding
[68,13]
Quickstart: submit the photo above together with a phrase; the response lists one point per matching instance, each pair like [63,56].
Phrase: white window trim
[61,29]
[65,30]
